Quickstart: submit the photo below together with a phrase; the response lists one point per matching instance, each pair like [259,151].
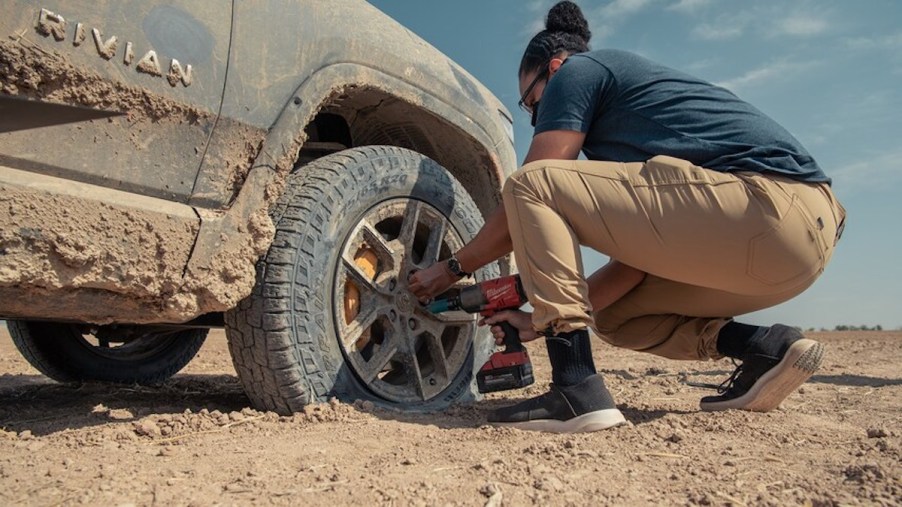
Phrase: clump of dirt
[177,428]
[172,428]
[222,273]
[28,70]
[233,150]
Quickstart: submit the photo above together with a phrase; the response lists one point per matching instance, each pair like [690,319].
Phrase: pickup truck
[277,168]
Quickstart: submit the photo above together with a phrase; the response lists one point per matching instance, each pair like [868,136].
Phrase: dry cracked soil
[196,441]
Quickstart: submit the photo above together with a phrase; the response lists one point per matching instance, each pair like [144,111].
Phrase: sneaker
[763,381]
[584,407]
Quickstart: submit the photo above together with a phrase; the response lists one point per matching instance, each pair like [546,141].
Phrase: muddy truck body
[279,169]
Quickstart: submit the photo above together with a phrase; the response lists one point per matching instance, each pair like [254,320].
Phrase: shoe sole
[593,421]
[803,358]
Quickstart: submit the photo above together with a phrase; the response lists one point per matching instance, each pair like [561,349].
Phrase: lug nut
[392,315]
[413,324]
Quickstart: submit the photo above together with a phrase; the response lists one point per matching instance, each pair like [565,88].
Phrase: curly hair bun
[567,17]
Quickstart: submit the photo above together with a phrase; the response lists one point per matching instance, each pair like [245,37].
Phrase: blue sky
[828,71]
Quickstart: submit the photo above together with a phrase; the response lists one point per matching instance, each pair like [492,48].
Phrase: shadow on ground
[31,402]
[473,416]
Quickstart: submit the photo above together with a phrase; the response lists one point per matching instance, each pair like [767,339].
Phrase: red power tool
[507,369]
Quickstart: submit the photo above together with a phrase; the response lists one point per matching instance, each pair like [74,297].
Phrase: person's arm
[555,145]
[494,240]
[491,242]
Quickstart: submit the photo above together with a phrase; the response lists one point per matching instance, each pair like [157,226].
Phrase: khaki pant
[714,245]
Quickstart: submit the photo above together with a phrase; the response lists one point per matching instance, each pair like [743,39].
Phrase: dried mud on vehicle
[196,441]
[143,256]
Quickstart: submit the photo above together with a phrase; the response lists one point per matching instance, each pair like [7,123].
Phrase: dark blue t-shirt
[632,109]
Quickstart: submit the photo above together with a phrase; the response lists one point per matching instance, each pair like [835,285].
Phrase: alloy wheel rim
[398,350]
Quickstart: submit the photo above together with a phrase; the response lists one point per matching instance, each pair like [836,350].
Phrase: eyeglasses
[533,108]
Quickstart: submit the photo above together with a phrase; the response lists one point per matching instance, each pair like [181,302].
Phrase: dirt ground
[195,441]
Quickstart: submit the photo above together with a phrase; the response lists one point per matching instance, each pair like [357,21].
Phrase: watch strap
[454,267]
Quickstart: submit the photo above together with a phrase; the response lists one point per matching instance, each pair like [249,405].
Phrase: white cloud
[700,65]
[539,5]
[717,32]
[891,42]
[535,27]
[880,172]
[870,161]
[537,9]
[876,109]
[755,76]
[801,25]
[858,119]
[763,20]
[604,20]
[725,26]
[621,8]
[771,73]
[689,5]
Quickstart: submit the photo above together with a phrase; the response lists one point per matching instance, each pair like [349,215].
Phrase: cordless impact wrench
[507,369]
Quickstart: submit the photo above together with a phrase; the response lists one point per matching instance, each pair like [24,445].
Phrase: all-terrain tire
[289,338]
[61,352]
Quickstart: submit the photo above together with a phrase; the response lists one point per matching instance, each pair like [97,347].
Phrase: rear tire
[330,314]
[67,352]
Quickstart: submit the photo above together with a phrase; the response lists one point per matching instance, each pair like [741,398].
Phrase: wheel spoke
[365,285]
[454,318]
[439,361]
[442,360]
[409,224]
[374,240]
[384,353]
[355,329]
[434,246]
[430,369]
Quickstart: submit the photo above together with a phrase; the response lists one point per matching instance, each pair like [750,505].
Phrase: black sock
[735,339]
[570,355]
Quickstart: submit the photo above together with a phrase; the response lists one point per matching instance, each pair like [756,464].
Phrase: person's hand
[522,321]
[427,283]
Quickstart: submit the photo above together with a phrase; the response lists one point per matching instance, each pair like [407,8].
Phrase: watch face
[454,267]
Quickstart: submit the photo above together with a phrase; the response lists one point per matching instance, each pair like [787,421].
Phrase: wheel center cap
[405,302]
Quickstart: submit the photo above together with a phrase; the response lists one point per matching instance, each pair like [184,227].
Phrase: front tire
[331,315]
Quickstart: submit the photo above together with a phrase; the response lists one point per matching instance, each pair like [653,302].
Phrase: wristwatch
[455,269]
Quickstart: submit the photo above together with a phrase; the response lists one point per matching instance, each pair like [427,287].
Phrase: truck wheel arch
[476,157]
[398,114]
